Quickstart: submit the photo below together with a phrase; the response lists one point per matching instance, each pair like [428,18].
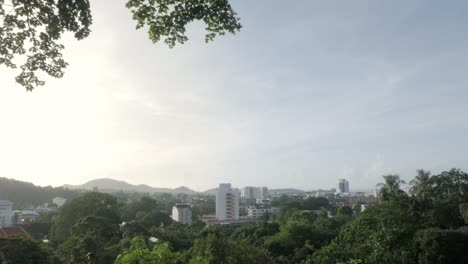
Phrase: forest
[426,224]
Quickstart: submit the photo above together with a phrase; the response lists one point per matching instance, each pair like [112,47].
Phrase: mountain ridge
[112,185]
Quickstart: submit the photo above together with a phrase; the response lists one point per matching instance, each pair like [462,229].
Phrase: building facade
[6,213]
[182,213]
[259,211]
[250,192]
[343,186]
[59,201]
[263,193]
[227,203]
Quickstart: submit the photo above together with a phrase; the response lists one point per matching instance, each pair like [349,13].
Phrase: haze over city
[305,94]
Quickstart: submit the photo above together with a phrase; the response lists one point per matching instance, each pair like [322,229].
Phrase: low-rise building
[43,209]
[59,201]
[263,201]
[26,215]
[352,200]
[6,213]
[256,211]
[13,231]
[182,213]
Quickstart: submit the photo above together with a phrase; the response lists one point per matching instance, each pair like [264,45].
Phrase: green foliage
[310,203]
[20,249]
[256,234]
[442,246]
[151,219]
[420,182]
[203,205]
[139,253]
[89,204]
[390,188]
[345,211]
[217,248]
[31,30]
[129,230]
[300,237]
[450,186]
[180,236]
[93,239]
[382,234]
[148,212]
[24,194]
[38,230]
[464,212]
[401,229]
[168,18]
[442,199]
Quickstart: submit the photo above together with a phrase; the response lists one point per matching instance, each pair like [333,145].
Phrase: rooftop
[13,230]
[182,205]
[5,202]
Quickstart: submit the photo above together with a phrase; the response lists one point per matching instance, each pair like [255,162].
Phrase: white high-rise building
[182,213]
[343,186]
[250,192]
[6,213]
[227,203]
[264,192]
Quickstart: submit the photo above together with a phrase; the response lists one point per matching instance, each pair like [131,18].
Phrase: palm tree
[390,187]
[419,182]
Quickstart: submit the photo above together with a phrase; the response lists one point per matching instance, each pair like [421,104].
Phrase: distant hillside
[111,185]
[211,191]
[272,191]
[184,190]
[25,194]
[286,191]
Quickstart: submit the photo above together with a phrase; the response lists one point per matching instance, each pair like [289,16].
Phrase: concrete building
[250,192]
[6,213]
[255,211]
[227,203]
[352,200]
[263,201]
[59,201]
[182,213]
[25,216]
[264,193]
[343,186]
[43,209]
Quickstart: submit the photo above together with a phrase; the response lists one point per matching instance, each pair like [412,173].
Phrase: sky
[308,92]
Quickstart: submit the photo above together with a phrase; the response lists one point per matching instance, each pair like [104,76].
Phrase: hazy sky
[308,92]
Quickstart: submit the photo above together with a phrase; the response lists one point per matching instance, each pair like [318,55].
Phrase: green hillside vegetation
[111,185]
[25,194]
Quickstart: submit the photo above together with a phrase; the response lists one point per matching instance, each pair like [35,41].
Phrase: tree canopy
[30,30]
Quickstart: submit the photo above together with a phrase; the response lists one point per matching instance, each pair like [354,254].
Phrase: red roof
[13,230]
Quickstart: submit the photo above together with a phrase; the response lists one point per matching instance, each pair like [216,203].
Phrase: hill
[286,191]
[25,194]
[111,185]
[211,191]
